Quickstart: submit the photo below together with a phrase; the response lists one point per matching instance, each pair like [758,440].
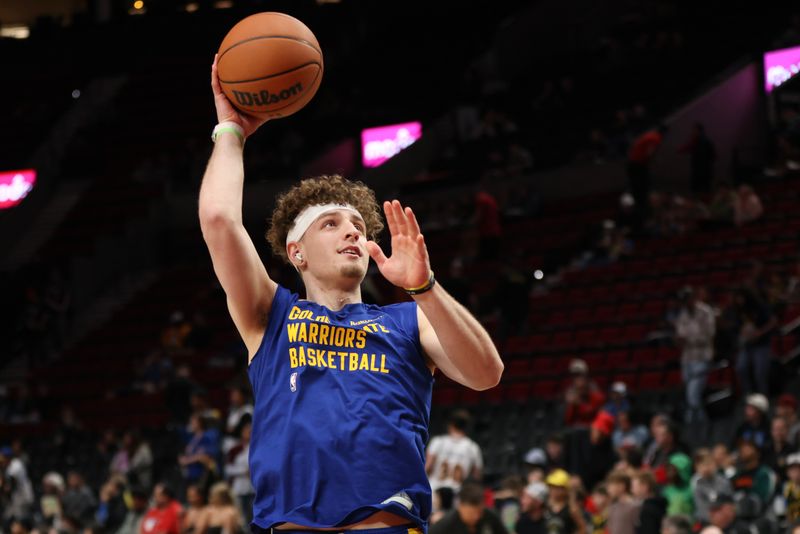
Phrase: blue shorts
[404,529]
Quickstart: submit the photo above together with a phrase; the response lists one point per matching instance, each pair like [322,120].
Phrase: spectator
[164,516]
[600,455]
[755,426]
[722,515]
[178,394]
[563,514]
[50,507]
[653,505]
[15,486]
[221,515]
[778,448]
[724,459]
[199,458]
[173,336]
[535,465]
[532,520]
[626,434]
[703,154]
[442,503]
[665,444]
[599,510]
[453,457]
[639,157]
[111,510]
[132,523]
[470,514]
[617,399]
[694,332]
[134,459]
[786,409]
[239,406]
[755,341]
[79,500]
[192,516]
[676,524]
[583,398]
[623,511]
[706,483]
[238,470]
[555,452]
[198,400]
[752,477]
[677,491]
[507,500]
[788,501]
[747,207]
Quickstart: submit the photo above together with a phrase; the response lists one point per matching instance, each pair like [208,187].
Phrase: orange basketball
[270,65]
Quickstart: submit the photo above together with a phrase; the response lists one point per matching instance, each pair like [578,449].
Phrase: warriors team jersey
[342,404]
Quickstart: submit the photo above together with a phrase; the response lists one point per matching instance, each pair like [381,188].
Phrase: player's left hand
[409,265]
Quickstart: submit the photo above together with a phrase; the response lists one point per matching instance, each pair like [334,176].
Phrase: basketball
[270,65]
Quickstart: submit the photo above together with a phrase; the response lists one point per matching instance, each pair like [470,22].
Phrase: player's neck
[333,297]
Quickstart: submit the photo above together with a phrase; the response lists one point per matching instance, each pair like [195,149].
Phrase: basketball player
[342,389]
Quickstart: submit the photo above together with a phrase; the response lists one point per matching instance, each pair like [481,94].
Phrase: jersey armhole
[279,304]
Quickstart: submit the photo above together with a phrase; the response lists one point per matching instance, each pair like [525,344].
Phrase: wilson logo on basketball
[265,98]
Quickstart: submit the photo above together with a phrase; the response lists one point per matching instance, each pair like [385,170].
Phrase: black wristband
[422,289]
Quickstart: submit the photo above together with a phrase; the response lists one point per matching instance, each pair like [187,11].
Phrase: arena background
[112,321]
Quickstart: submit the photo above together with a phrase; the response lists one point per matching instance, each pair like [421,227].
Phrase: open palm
[409,265]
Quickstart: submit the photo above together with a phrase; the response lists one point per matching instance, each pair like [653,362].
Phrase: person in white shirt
[237,470]
[16,485]
[452,458]
[239,407]
[694,332]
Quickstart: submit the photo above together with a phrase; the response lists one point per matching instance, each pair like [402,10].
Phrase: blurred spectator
[50,509]
[532,519]
[164,515]
[788,499]
[507,500]
[563,515]
[178,393]
[153,373]
[111,509]
[470,514]
[555,452]
[599,510]
[134,459]
[653,505]
[237,470]
[677,524]
[626,434]
[677,490]
[694,332]
[221,516]
[16,491]
[747,207]
[779,448]
[786,409]
[639,158]
[726,462]
[722,515]
[706,483]
[442,503]
[79,501]
[535,465]
[703,154]
[192,517]
[453,457]
[665,443]
[617,399]
[599,456]
[198,400]
[752,476]
[583,397]
[132,523]
[755,426]
[623,511]
[174,335]
[239,405]
[755,341]
[199,458]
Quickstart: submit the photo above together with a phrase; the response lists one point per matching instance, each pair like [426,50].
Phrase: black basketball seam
[287,105]
[276,74]
[289,37]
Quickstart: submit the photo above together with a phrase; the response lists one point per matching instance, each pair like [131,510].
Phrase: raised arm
[238,267]
[451,337]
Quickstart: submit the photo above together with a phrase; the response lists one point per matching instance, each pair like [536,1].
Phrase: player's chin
[354,270]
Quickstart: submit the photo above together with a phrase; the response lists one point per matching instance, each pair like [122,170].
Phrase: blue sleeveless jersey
[342,406]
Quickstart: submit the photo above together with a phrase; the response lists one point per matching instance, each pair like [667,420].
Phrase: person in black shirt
[470,515]
[534,501]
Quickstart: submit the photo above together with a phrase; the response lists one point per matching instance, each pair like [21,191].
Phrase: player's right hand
[226,111]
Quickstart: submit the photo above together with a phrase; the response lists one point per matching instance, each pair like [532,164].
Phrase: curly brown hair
[322,190]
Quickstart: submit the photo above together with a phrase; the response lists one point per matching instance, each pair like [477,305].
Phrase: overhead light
[191,7]
[137,8]
[223,4]
[15,31]
[538,274]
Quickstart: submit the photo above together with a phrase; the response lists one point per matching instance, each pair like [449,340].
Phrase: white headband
[310,214]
